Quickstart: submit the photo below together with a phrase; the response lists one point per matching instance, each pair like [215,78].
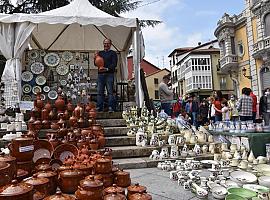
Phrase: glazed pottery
[264,181]
[242,177]
[10,160]
[202,137]
[60,104]
[60,196]
[114,189]
[5,173]
[242,192]
[122,178]
[52,176]
[69,180]
[48,106]
[251,157]
[26,165]
[115,196]
[103,166]
[22,174]
[39,184]
[219,192]
[90,189]
[139,196]
[234,197]
[137,188]
[18,191]
[99,62]
[22,148]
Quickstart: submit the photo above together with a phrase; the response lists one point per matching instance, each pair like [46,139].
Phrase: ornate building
[244,42]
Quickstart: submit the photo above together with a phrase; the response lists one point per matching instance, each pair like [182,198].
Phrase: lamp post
[244,72]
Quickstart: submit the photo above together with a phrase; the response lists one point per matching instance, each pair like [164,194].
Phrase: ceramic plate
[52,59]
[33,54]
[262,168]
[26,88]
[43,149]
[55,163]
[27,76]
[41,80]
[63,82]
[41,153]
[26,98]
[42,53]
[36,89]
[37,68]
[46,88]
[67,56]
[256,188]
[242,192]
[62,69]
[234,197]
[52,94]
[243,177]
[64,150]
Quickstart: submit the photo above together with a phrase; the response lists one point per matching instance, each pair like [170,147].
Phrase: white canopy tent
[77,26]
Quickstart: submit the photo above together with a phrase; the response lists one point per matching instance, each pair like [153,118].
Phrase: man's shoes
[110,110]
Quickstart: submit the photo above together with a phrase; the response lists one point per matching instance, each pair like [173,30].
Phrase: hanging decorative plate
[67,56]
[46,88]
[63,82]
[26,98]
[41,80]
[62,151]
[52,94]
[36,89]
[42,53]
[33,54]
[52,59]
[26,88]
[62,69]
[27,76]
[37,67]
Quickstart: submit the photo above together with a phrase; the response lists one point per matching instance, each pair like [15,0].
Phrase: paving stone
[115,131]
[131,151]
[120,141]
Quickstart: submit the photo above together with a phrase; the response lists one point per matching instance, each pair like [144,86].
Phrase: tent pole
[58,36]
[36,42]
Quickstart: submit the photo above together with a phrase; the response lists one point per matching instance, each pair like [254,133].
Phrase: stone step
[112,122]
[131,151]
[146,162]
[107,115]
[113,141]
[115,131]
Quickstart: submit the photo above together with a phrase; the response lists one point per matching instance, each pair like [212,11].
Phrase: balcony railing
[228,61]
[261,45]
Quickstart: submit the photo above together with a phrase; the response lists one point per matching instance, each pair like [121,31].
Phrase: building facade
[244,42]
[197,71]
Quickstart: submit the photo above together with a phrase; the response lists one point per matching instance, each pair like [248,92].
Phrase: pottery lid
[46,174]
[4,165]
[114,188]
[140,196]
[15,189]
[122,173]
[70,173]
[90,182]
[38,195]
[103,159]
[6,158]
[35,180]
[137,188]
[21,172]
[43,167]
[114,196]
[60,196]
[23,138]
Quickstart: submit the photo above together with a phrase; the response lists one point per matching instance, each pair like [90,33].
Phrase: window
[156,94]
[223,48]
[156,81]
[240,49]
[267,25]
[232,45]
[223,83]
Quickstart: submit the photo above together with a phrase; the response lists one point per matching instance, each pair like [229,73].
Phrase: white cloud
[194,39]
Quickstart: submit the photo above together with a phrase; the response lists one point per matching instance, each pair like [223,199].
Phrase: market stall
[75,30]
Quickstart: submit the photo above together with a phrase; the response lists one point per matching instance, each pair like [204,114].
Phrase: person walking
[264,107]
[254,106]
[217,105]
[106,76]
[166,95]
[244,106]
[232,108]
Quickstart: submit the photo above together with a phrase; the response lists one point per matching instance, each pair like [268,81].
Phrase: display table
[257,141]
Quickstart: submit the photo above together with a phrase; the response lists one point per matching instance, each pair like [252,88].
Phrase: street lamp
[244,72]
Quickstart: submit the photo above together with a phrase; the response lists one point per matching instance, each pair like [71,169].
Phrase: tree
[112,7]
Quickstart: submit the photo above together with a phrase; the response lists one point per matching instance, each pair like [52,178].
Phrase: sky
[184,23]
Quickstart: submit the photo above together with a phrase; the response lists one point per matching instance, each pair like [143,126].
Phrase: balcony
[261,47]
[228,62]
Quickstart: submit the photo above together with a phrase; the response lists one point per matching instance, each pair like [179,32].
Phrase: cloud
[193,39]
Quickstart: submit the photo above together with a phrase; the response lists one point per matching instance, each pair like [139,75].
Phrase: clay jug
[81,122]
[87,107]
[39,101]
[66,115]
[31,121]
[44,114]
[48,106]
[61,121]
[60,104]
[73,120]
[78,111]
[70,107]
[99,62]
[36,110]
[53,114]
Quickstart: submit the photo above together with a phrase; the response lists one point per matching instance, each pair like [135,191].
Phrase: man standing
[166,95]
[245,105]
[106,76]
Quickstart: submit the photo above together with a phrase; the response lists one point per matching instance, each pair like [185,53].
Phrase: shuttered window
[265,78]
[267,25]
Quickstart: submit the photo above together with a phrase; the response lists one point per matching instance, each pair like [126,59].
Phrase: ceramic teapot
[187,135]
[193,139]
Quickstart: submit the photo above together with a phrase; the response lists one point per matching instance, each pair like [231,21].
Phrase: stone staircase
[125,152]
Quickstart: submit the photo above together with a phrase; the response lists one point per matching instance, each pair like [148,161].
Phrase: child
[224,110]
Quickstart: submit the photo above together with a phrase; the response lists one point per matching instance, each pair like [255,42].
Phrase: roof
[188,49]
[130,57]
[205,50]
[158,72]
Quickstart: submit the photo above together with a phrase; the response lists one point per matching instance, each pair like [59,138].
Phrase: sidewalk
[159,184]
